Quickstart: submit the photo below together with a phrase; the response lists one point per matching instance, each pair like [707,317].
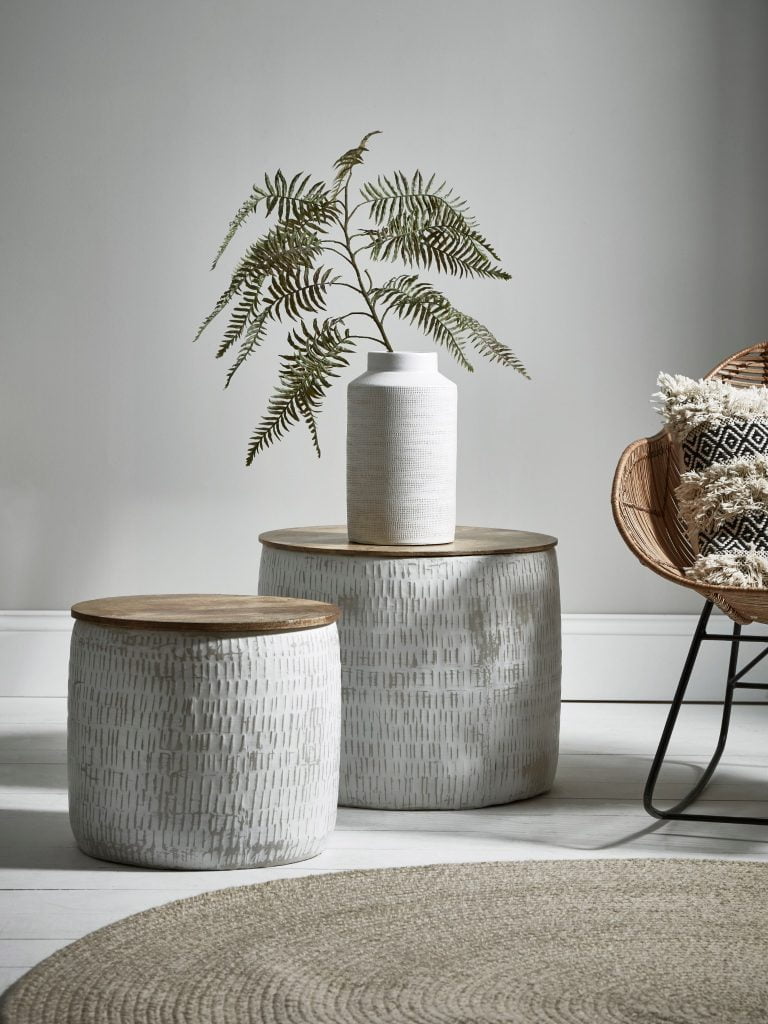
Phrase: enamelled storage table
[450,661]
[203,729]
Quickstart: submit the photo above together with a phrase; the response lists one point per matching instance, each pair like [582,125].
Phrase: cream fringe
[724,490]
[687,404]
[736,569]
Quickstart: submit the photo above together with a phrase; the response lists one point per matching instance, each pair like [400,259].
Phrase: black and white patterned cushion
[723,435]
[740,533]
[724,442]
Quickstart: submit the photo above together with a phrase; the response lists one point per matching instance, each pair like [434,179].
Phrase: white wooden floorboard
[70,913]
[50,893]
[9,974]
[37,710]
[18,952]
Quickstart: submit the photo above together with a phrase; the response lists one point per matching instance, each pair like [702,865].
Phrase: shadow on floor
[39,839]
[43,841]
[34,759]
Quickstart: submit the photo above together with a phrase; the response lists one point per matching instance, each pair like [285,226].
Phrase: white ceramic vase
[401,452]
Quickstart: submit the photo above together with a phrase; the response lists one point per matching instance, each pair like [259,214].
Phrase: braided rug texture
[577,942]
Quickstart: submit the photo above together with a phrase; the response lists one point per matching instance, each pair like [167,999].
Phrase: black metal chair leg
[675,813]
[674,711]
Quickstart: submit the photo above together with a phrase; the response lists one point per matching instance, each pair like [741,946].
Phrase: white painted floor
[50,893]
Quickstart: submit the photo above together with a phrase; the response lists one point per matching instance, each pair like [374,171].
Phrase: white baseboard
[640,657]
[34,653]
[605,657]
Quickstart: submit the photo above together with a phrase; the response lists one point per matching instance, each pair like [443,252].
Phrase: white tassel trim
[686,404]
[747,569]
[723,490]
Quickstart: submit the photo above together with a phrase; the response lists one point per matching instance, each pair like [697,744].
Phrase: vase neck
[420,361]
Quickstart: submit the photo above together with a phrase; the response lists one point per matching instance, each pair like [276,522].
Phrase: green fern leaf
[242,315]
[421,304]
[441,240]
[222,303]
[243,275]
[349,160]
[306,372]
[297,200]
[418,302]
[487,344]
[302,291]
[254,336]
[249,206]
[390,197]
[284,249]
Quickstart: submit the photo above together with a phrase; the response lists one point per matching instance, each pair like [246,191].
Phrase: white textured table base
[193,751]
[450,672]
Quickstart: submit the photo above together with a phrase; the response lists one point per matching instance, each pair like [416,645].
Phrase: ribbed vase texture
[199,751]
[450,672]
[401,452]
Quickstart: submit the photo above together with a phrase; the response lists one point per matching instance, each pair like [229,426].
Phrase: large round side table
[203,729]
[450,660]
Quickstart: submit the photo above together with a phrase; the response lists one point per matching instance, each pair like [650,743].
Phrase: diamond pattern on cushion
[723,442]
[738,534]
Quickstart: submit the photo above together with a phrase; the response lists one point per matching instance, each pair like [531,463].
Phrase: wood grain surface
[207,613]
[470,540]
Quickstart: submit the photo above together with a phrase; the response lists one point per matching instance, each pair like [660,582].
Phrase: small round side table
[450,660]
[203,729]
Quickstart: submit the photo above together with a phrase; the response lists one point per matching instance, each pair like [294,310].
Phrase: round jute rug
[495,943]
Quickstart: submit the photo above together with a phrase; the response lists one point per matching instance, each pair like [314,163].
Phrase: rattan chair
[646,514]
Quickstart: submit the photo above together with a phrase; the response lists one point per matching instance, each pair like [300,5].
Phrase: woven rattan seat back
[646,511]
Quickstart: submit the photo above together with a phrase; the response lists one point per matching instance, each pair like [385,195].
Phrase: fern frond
[488,345]
[306,372]
[393,196]
[284,249]
[296,200]
[441,240]
[249,206]
[223,301]
[242,275]
[349,160]
[254,336]
[243,312]
[420,303]
[457,224]
[303,291]
[423,305]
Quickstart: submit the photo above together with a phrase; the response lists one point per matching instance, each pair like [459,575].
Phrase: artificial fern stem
[361,286]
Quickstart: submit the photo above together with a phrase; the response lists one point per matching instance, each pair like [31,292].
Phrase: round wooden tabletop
[207,613]
[469,540]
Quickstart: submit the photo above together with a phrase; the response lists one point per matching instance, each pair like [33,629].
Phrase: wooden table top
[207,613]
[469,540]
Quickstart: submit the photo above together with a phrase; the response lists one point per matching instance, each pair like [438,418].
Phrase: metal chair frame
[734,681]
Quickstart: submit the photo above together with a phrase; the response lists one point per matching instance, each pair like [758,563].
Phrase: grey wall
[615,151]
